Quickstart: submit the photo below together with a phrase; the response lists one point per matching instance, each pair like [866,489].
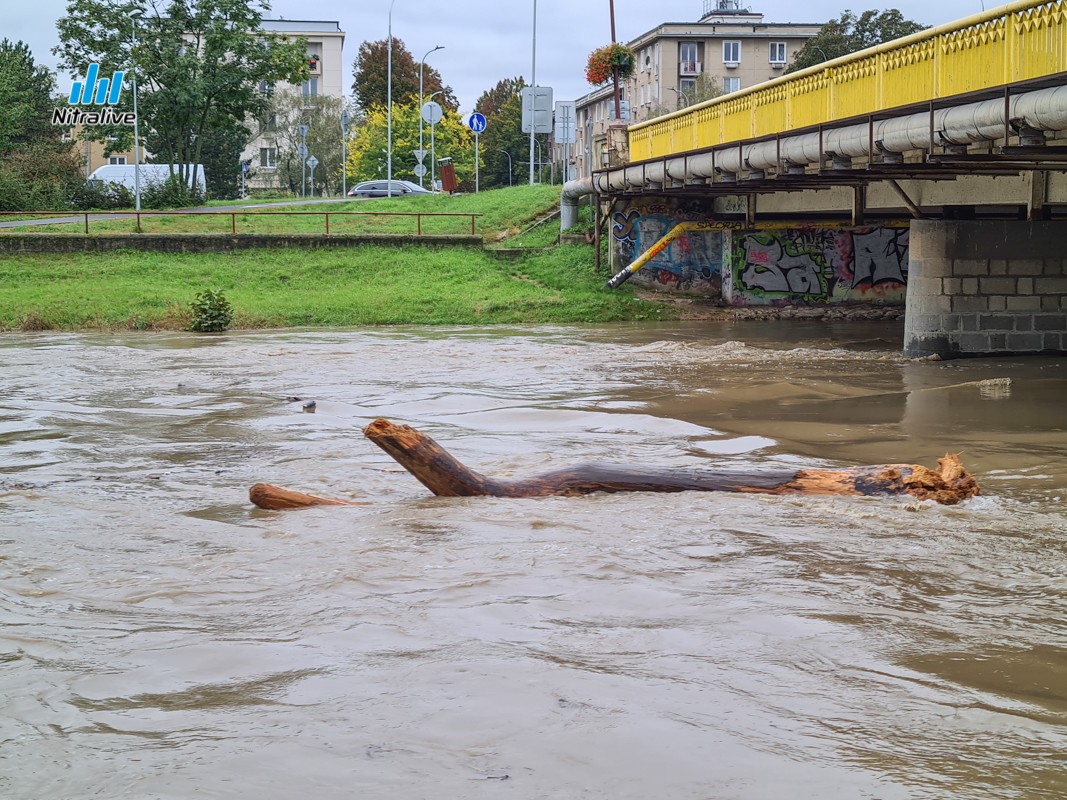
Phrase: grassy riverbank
[311,287]
[365,285]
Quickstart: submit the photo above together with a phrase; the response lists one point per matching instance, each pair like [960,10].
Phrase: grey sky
[488,40]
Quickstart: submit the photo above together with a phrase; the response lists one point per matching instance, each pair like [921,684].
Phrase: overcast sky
[488,40]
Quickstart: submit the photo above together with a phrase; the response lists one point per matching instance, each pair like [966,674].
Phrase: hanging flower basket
[605,60]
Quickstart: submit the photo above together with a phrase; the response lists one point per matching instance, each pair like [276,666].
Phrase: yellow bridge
[1010,45]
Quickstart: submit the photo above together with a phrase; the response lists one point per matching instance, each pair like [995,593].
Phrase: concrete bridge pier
[986,288]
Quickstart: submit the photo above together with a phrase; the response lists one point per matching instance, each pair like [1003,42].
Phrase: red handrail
[234,214]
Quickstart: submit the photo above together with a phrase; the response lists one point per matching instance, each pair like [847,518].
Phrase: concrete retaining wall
[986,287]
[210,243]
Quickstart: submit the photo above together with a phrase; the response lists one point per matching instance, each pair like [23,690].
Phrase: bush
[101,196]
[171,193]
[212,312]
[38,178]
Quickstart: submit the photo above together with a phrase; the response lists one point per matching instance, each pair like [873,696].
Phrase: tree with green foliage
[371,78]
[368,159]
[322,115]
[26,97]
[221,157]
[38,171]
[199,64]
[849,34]
[502,107]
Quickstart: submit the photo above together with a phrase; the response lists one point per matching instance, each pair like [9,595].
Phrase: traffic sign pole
[476,122]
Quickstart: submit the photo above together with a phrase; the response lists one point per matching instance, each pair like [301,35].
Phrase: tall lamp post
[389,135]
[135,15]
[680,94]
[345,119]
[421,65]
[533,90]
[505,152]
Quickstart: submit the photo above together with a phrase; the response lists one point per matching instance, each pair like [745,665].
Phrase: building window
[268,157]
[777,52]
[731,53]
[731,85]
[266,87]
[310,88]
[270,122]
[689,86]
[688,58]
[116,159]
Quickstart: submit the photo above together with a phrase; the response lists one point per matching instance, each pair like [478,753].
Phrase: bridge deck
[1015,44]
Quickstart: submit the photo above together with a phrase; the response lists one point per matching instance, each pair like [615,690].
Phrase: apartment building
[325,43]
[729,45]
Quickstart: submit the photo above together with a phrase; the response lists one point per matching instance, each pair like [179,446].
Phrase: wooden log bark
[445,476]
[266,495]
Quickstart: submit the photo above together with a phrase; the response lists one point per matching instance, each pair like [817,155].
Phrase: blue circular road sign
[476,122]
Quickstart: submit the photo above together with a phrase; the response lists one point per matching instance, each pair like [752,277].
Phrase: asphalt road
[197,210]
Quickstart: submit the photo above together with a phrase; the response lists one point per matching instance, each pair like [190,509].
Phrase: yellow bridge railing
[1017,42]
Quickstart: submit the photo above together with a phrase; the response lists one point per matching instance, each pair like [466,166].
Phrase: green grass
[501,212]
[311,287]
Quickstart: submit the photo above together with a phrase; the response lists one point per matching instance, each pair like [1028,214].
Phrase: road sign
[420,170]
[537,109]
[432,112]
[419,154]
[302,150]
[565,122]
[624,109]
[345,119]
[303,129]
[313,162]
[476,122]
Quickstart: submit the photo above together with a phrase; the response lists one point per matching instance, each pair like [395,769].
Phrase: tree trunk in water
[443,475]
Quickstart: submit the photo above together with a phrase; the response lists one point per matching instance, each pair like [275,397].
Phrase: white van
[150,174]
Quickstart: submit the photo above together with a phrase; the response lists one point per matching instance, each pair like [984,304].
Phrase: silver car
[381,189]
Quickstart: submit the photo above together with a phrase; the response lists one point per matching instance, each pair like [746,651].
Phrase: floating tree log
[443,475]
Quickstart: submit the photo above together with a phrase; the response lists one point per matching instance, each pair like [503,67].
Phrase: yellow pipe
[665,242]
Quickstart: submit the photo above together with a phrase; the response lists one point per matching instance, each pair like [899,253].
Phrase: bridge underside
[978,261]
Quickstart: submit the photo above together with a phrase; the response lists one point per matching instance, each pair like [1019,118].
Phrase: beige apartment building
[730,45]
[326,41]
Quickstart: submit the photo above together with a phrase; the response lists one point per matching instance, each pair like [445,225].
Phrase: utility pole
[615,69]
[533,91]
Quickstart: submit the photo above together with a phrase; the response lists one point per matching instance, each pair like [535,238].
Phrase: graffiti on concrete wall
[820,265]
[692,263]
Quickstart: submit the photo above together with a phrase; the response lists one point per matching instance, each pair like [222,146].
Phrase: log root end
[275,498]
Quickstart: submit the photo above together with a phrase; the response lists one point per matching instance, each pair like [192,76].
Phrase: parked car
[381,189]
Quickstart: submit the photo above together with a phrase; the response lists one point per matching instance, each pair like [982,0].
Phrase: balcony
[689,68]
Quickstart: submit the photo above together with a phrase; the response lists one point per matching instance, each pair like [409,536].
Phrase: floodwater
[161,638]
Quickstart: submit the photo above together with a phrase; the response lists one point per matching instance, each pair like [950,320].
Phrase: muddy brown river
[162,639]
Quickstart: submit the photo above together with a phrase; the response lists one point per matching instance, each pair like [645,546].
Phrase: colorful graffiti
[820,265]
[692,263]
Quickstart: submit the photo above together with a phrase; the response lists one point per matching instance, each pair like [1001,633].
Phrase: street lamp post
[134,16]
[505,152]
[681,94]
[345,119]
[533,90]
[421,65]
[389,135]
